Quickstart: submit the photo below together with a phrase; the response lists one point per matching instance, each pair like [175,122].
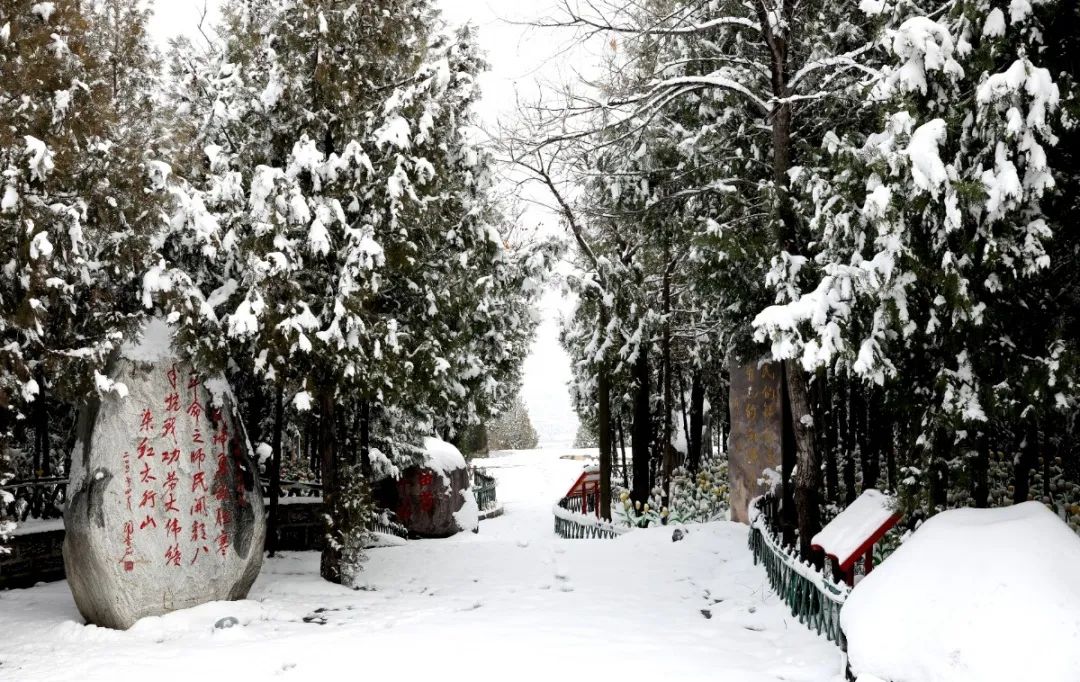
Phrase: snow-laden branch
[847,59]
[671,25]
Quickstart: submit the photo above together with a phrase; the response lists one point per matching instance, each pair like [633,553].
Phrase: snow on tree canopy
[846,534]
[975,595]
[442,457]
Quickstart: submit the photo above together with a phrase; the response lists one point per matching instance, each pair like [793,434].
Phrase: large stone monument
[165,509]
[435,500]
[755,442]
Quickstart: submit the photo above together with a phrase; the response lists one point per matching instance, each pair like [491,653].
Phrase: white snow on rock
[153,344]
[974,595]
[442,457]
[468,517]
[843,536]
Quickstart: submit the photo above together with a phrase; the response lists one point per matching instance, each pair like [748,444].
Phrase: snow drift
[977,595]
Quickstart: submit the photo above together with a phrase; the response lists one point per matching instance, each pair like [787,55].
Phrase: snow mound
[975,595]
[442,457]
[153,345]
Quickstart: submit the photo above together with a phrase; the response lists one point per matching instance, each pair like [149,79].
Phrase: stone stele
[756,430]
[165,510]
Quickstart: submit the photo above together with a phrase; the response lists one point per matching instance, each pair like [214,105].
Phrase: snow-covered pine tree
[771,71]
[934,238]
[512,430]
[78,203]
[337,227]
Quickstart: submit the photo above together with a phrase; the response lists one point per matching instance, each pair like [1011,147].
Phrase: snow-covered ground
[513,602]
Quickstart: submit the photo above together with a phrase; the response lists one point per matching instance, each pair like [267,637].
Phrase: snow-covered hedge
[974,595]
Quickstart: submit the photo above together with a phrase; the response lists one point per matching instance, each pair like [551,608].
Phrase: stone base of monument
[165,510]
[436,500]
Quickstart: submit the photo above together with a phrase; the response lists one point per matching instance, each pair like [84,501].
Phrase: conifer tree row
[878,201]
[315,219]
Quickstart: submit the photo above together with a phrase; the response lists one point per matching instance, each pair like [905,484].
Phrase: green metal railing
[484,490]
[572,524]
[382,521]
[812,597]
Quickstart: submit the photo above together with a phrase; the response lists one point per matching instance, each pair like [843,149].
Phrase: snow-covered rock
[974,595]
[436,500]
[165,509]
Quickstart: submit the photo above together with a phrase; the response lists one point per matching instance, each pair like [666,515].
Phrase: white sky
[521,58]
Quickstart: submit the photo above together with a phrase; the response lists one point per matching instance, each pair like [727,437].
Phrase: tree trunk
[939,471]
[41,431]
[366,468]
[891,469]
[681,457]
[697,421]
[808,472]
[829,437]
[622,444]
[275,469]
[980,491]
[789,518]
[847,429]
[603,390]
[1025,461]
[668,453]
[313,444]
[330,565]
[641,433]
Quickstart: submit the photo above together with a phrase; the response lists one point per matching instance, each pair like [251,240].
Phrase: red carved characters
[162,476]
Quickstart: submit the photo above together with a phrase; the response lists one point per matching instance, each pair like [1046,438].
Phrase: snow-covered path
[514,602]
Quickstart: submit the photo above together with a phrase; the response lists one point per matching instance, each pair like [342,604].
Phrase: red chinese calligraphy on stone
[172,402]
[197,437]
[426,478]
[149,499]
[199,551]
[169,429]
[195,410]
[173,555]
[193,381]
[199,481]
[127,479]
[148,522]
[173,528]
[170,503]
[198,456]
[147,421]
[129,550]
[198,531]
[222,543]
[199,506]
[221,436]
[171,481]
[144,449]
[171,376]
[145,475]
[222,517]
[170,456]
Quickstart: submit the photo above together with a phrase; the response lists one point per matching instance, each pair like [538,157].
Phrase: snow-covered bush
[695,498]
